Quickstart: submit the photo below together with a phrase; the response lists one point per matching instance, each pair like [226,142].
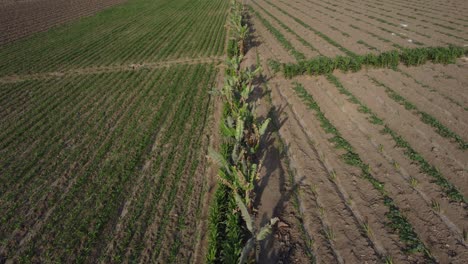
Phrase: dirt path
[108,69]
[275,193]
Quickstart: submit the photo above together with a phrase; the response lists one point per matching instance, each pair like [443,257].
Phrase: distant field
[103,138]
[137,32]
[22,18]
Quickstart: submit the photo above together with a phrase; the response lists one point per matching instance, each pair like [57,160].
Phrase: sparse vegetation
[425,167]
[397,221]
[279,36]
[425,117]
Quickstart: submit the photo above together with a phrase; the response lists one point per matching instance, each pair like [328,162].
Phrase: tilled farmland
[340,136]
[377,157]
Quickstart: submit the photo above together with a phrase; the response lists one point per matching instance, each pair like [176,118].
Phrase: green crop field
[103,134]
[140,31]
[83,149]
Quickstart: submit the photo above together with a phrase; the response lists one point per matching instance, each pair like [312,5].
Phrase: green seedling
[413,182]
[321,211]
[313,188]
[381,148]
[367,229]
[388,260]
[329,234]
[435,206]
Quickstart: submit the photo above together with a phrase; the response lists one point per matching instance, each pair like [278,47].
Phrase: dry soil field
[377,158]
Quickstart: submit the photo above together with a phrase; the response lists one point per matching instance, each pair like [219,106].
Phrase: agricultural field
[130,35]
[105,127]
[371,107]
[19,19]
[340,136]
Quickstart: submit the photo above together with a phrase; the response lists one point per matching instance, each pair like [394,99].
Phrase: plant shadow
[274,177]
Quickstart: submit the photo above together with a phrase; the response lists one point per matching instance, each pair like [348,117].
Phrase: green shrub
[232,48]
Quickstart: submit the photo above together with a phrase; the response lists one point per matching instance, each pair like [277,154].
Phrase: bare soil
[342,217]
[275,192]
[109,69]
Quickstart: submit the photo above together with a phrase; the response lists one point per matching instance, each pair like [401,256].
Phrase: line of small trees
[233,236]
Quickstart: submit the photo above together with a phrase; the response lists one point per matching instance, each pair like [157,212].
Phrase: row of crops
[136,32]
[16,16]
[357,31]
[354,62]
[97,167]
[234,236]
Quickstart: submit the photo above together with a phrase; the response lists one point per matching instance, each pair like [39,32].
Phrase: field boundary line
[110,69]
